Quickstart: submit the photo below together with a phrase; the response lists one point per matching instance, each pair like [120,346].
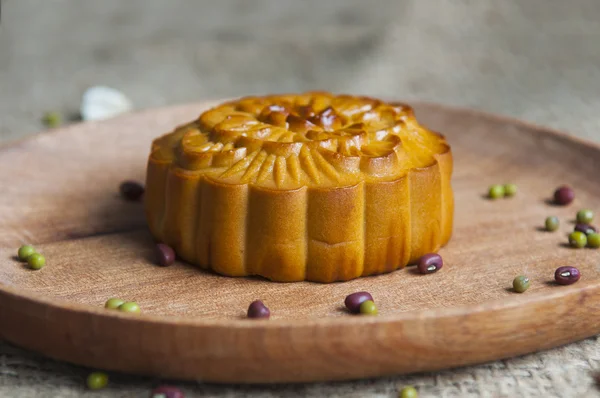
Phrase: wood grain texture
[59,191]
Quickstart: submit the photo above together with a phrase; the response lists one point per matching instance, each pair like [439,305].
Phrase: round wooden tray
[59,191]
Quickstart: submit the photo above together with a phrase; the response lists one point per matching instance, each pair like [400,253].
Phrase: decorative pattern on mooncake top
[301,187]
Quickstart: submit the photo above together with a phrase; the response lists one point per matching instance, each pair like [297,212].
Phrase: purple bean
[566,275]
[131,190]
[430,263]
[564,195]
[354,300]
[167,392]
[585,228]
[165,254]
[258,310]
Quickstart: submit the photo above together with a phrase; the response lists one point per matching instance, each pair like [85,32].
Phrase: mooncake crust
[299,187]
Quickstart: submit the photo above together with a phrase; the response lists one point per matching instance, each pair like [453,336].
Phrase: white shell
[101,102]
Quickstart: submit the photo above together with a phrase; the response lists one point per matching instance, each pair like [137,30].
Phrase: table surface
[537,60]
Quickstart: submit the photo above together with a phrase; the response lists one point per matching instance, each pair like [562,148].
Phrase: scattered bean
[368,308]
[166,254]
[25,251]
[430,263]
[593,240]
[97,380]
[521,284]
[408,392]
[577,239]
[585,228]
[552,223]
[510,190]
[114,303]
[564,195]
[131,190]
[52,119]
[167,392]
[36,261]
[354,300]
[585,216]
[496,191]
[566,275]
[130,306]
[257,309]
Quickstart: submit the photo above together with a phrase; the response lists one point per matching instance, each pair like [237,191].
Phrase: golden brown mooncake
[311,187]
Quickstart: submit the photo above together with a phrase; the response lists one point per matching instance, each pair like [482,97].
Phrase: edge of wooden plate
[297,351]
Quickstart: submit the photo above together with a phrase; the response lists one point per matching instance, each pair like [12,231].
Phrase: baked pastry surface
[301,187]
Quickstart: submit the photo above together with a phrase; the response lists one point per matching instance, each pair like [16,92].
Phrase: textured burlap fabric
[537,60]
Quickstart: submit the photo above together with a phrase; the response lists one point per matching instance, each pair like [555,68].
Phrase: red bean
[564,195]
[354,300]
[167,392]
[165,254]
[430,263]
[566,275]
[258,310]
[585,228]
[131,190]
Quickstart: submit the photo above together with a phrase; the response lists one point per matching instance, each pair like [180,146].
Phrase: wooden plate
[59,191]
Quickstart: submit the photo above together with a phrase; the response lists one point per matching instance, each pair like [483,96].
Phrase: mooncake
[311,186]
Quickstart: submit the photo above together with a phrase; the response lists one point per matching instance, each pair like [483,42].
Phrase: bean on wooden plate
[577,239]
[130,306]
[585,216]
[258,309]
[521,284]
[593,240]
[36,261]
[368,308]
[354,300]
[113,303]
[566,275]
[564,195]
[131,190]
[552,223]
[430,263]
[25,251]
[585,228]
[165,254]
[496,191]
[510,190]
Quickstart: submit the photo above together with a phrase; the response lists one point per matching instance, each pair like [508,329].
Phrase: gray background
[537,60]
